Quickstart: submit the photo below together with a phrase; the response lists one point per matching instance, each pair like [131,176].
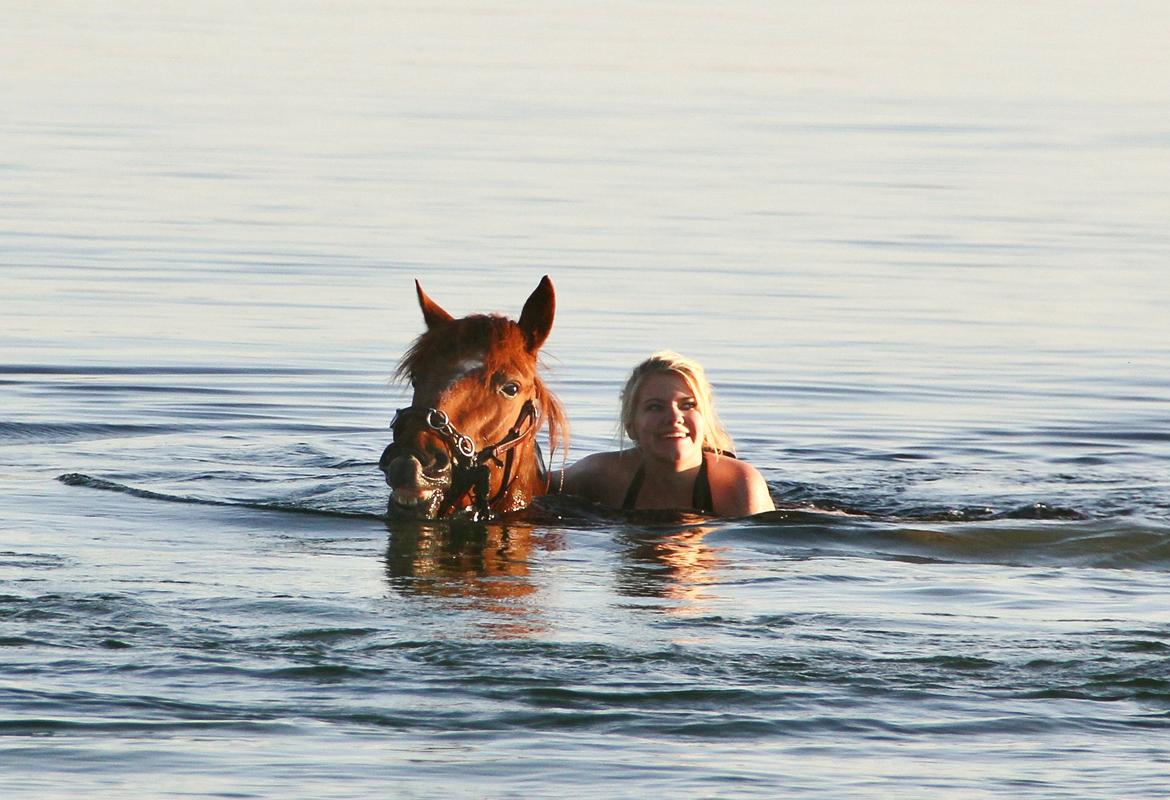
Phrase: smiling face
[667,424]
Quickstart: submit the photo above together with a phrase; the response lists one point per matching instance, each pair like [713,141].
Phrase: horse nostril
[387,456]
[403,472]
[439,462]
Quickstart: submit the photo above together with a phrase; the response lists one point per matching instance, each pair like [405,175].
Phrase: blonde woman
[682,457]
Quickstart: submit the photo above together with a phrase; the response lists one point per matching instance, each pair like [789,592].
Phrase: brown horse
[466,445]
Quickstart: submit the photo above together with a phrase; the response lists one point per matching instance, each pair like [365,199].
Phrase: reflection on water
[485,568]
[676,565]
[490,568]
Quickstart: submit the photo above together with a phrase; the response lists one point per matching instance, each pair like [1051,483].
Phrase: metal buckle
[464,444]
[438,421]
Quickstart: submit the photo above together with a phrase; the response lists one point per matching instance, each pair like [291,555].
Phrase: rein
[471,471]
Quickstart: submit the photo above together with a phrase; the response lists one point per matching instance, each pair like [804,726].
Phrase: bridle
[471,470]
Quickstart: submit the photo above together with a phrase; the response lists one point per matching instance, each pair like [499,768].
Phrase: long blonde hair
[715,436]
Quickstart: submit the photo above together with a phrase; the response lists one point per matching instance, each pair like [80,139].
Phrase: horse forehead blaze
[448,353]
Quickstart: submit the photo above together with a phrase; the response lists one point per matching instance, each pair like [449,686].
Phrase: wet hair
[715,436]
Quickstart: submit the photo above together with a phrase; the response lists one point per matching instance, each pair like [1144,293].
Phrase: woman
[682,457]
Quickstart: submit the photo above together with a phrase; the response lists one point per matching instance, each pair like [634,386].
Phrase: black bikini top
[700,493]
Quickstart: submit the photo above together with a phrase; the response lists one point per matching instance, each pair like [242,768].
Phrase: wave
[1009,539]
[91,482]
[1032,535]
[54,433]
[91,370]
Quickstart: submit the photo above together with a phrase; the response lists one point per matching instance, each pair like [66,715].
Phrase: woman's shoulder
[740,485]
[599,475]
[730,465]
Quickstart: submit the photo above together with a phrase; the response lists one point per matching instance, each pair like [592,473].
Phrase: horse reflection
[471,566]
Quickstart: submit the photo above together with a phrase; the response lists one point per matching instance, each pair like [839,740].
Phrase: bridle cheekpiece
[471,471]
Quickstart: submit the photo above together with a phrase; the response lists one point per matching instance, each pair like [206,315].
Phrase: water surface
[920,250]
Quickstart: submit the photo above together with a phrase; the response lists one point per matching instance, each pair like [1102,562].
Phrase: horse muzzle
[417,484]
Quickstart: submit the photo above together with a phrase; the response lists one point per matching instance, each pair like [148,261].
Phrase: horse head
[466,444]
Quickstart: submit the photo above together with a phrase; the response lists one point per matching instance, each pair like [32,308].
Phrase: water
[920,250]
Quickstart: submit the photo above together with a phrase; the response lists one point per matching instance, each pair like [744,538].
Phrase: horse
[466,445]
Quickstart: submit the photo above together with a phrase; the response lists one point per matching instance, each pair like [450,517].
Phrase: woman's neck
[664,467]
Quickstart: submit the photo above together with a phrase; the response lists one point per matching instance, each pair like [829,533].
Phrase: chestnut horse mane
[501,344]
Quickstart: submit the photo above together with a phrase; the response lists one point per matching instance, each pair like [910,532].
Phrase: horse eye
[510,389]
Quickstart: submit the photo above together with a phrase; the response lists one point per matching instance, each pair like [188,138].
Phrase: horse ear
[433,313]
[537,317]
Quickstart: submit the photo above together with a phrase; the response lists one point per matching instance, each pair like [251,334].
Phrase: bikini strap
[701,499]
[631,499]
